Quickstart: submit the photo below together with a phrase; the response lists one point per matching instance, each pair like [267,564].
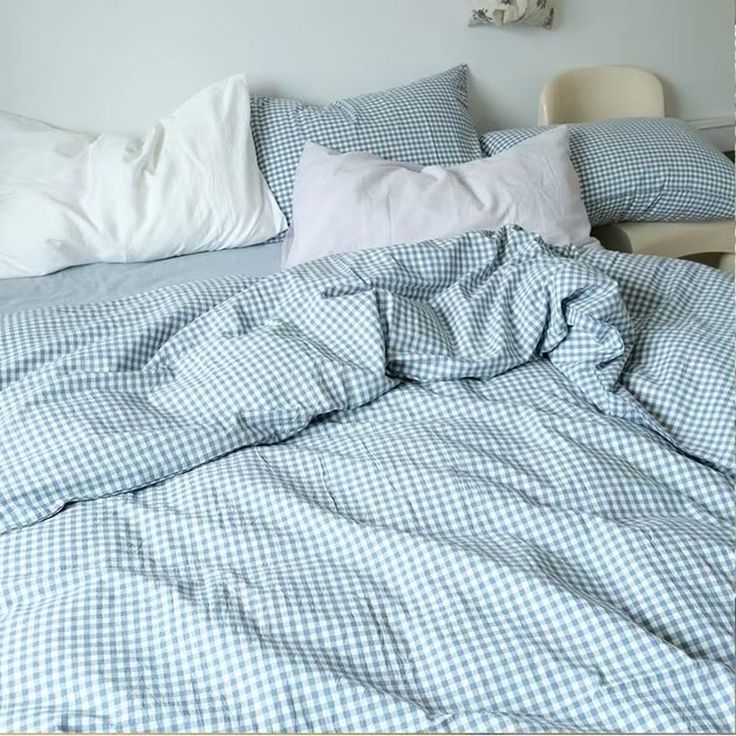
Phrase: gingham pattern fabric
[544,545]
[641,170]
[424,123]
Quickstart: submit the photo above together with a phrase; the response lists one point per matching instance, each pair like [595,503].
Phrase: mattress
[100,282]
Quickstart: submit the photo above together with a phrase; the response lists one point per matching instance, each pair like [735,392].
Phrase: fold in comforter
[472,484]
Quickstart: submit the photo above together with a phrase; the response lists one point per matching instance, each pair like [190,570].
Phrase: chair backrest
[601,93]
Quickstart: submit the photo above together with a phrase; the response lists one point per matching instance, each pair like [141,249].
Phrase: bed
[433,461]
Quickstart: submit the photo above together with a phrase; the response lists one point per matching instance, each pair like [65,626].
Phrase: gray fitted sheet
[99,282]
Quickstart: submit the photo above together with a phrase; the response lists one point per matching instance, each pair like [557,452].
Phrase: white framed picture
[539,13]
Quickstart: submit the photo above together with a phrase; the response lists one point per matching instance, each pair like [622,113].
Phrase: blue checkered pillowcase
[424,123]
[641,169]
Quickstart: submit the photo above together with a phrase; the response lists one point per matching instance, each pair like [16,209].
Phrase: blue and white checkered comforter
[471,485]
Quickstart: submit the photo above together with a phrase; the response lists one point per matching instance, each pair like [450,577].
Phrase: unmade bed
[431,460]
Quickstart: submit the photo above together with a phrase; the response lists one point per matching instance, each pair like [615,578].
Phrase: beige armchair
[602,93]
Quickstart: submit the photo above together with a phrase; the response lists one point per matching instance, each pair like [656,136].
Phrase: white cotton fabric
[190,184]
[349,201]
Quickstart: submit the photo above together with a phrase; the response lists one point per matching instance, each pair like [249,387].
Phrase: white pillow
[350,201]
[191,183]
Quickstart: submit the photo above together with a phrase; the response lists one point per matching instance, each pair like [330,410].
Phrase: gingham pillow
[641,169]
[424,123]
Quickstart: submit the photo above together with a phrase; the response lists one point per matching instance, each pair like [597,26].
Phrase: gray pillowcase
[425,123]
[641,170]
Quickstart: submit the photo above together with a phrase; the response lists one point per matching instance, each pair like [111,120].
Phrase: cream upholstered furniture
[602,93]
[708,242]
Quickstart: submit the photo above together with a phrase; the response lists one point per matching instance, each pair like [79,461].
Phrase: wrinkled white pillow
[191,183]
[350,201]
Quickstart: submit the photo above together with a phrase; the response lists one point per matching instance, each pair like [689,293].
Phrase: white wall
[116,64]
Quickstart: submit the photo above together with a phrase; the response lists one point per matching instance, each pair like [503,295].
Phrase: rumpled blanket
[475,484]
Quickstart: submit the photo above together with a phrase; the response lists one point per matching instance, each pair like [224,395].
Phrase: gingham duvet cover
[477,484]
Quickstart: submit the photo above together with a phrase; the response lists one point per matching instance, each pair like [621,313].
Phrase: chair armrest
[673,239]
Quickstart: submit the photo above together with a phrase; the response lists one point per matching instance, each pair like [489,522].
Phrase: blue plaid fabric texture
[475,484]
[425,123]
[641,170]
